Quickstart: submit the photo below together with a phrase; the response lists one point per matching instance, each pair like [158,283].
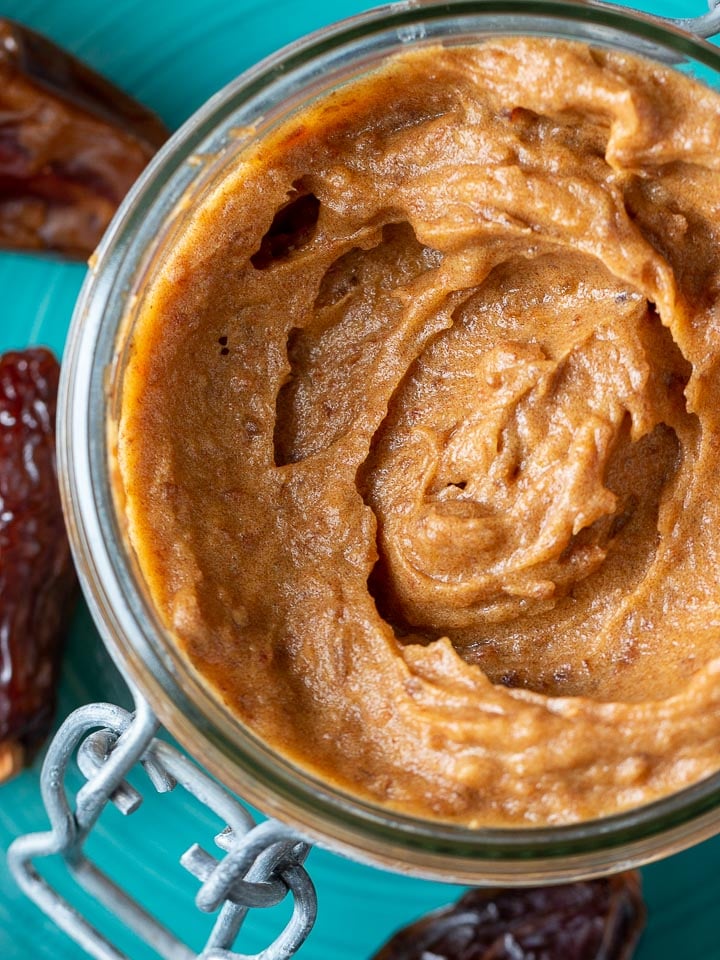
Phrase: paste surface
[419,434]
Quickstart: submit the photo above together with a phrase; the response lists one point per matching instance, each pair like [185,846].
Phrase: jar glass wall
[152,216]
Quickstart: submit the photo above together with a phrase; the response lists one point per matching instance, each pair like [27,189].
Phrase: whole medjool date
[590,920]
[38,584]
[71,146]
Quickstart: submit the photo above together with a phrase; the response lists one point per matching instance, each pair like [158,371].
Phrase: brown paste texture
[420,432]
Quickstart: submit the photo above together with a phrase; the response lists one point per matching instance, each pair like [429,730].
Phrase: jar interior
[181,180]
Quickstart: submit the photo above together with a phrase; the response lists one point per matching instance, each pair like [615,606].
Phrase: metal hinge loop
[261,863]
[705,26]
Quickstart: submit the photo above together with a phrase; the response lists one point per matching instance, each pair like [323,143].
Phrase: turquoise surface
[173,56]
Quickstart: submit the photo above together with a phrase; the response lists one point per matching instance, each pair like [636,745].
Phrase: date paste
[420,434]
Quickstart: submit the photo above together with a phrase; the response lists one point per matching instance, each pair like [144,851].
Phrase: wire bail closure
[261,864]
[705,26]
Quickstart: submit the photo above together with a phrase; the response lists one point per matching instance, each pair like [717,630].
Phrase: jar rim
[128,625]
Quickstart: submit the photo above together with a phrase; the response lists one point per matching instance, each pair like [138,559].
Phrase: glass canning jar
[150,218]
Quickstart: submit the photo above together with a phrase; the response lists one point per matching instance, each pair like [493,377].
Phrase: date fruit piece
[71,145]
[592,920]
[38,585]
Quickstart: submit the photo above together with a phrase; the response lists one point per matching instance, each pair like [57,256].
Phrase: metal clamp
[705,26]
[262,863]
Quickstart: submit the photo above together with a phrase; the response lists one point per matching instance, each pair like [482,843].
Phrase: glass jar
[150,218]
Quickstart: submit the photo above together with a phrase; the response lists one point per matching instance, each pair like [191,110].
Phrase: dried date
[38,585]
[591,920]
[71,145]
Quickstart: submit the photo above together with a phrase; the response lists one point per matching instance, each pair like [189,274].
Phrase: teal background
[172,56]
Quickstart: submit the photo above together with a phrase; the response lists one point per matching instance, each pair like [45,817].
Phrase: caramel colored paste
[420,434]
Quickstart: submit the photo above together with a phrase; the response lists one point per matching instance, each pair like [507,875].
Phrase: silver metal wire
[260,866]
[705,26]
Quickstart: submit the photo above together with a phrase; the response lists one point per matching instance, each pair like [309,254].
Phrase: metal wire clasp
[705,26]
[262,863]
